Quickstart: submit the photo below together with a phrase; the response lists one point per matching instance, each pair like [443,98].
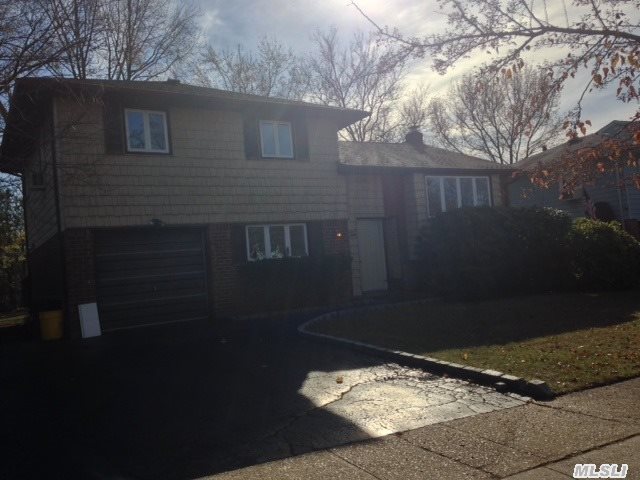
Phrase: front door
[373,268]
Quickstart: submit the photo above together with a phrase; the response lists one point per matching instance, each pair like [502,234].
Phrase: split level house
[165,202]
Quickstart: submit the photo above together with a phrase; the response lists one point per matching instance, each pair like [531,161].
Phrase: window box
[276,241]
[146,131]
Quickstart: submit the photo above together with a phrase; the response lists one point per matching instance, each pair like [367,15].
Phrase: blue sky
[229,22]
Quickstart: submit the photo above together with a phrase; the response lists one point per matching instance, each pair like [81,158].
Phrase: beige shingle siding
[365,197]
[206,180]
[40,209]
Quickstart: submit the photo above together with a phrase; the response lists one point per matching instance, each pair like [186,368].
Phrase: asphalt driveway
[188,400]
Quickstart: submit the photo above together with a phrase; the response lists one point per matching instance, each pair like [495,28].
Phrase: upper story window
[447,193]
[276,241]
[146,131]
[276,139]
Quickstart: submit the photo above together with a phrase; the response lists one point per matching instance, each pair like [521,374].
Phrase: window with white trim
[275,139]
[447,193]
[276,241]
[146,131]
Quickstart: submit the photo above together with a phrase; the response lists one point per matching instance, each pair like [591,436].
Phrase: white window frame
[276,141]
[147,131]
[443,206]
[267,239]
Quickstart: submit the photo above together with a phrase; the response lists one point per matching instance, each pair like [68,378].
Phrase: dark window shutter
[238,244]
[251,143]
[113,127]
[300,137]
[314,239]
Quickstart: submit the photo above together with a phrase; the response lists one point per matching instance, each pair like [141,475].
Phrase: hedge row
[488,252]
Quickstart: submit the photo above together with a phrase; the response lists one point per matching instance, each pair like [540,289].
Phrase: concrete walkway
[536,440]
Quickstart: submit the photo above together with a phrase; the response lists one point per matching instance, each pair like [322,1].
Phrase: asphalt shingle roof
[177,88]
[615,128]
[405,155]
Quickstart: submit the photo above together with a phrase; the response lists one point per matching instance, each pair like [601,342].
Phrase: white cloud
[293,21]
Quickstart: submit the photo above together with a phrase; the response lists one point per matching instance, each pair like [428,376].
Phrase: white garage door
[373,268]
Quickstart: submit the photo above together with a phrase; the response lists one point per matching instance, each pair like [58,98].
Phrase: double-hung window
[276,241]
[275,139]
[146,131]
[447,193]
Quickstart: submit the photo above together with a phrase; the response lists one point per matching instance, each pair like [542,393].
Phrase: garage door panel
[157,263]
[141,285]
[184,307]
[174,305]
[137,318]
[149,276]
[145,241]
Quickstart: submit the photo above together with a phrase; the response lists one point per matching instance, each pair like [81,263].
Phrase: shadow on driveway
[179,401]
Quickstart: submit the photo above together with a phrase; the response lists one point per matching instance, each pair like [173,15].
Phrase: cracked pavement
[362,403]
[190,400]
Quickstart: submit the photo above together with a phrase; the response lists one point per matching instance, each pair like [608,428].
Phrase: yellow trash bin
[51,324]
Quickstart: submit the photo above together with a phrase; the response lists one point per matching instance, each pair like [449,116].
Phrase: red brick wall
[335,237]
[222,269]
[45,289]
[80,274]
[227,291]
[227,294]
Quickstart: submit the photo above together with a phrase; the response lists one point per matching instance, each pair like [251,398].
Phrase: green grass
[572,341]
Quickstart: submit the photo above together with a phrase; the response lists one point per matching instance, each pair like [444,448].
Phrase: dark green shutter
[251,143]
[314,239]
[238,244]
[113,126]
[300,137]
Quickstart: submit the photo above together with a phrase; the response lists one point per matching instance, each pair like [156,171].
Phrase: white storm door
[373,267]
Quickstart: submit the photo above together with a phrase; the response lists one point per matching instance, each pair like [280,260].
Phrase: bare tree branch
[504,119]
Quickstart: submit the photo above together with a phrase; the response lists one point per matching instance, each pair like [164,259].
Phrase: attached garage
[147,276]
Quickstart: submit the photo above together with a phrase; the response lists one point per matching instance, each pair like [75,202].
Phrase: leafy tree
[503,119]
[12,249]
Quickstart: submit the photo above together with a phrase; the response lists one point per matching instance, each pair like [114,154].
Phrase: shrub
[604,256]
[296,282]
[484,252]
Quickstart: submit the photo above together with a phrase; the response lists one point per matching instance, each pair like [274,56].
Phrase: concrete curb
[534,388]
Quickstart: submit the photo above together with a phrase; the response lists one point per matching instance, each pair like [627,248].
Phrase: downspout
[56,194]
[26,301]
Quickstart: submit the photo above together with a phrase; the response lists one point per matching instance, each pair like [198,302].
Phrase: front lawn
[571,341]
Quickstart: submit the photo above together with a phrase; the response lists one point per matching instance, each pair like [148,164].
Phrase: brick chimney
[414,138]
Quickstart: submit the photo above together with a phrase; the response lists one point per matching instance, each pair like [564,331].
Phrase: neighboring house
[609,192]
[165,202]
